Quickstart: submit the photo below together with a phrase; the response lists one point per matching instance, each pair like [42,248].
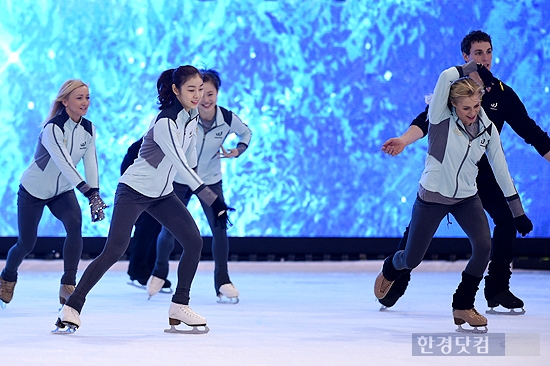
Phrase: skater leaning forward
[458,136]
[66,139]
[214,125]
[502,105]
[147,186]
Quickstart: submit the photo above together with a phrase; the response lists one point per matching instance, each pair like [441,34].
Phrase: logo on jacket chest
[219,135]
[494,106]
[83,145]
[457,131]
[484,142]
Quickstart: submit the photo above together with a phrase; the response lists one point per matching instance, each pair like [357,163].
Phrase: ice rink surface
[290,313]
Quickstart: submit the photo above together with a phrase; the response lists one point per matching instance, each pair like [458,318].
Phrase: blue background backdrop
[322,84]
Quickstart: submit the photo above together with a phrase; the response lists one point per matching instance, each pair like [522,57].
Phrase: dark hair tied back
[164,88]
[211,75]
[179,76]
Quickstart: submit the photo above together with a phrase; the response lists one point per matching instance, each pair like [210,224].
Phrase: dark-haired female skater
[147,186]
[215,124]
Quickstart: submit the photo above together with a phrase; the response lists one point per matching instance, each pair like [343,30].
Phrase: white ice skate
[68,321]
[156,285]
[228,294]
[179,313]
[473,318]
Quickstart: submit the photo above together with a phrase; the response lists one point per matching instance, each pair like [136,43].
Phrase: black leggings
[494,202]
[425,220]
[29,212]
[171,213]
[220,241]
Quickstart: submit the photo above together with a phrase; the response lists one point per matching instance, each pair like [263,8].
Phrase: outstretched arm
[396,145]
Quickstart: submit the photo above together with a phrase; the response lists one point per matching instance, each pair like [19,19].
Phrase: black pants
[425,220]
[170,212]
[143,248]
[220,241]
[494,202]
[29,212]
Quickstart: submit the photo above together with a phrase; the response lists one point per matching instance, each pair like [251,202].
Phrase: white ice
[290,313]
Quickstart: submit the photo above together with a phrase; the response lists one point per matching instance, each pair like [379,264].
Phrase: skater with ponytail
[147,186]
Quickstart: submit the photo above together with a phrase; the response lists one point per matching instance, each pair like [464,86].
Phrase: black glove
[97,206]
[485,75]
[220,213]
[523,224]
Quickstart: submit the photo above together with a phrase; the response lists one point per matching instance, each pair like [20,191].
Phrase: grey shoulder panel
[437,139]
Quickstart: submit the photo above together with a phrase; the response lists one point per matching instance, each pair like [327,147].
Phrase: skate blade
[194,330]
[510,312]
[475,330]
[165,291]
[2,304]
[383,308]
[228,300]
[64,328]
[137,284]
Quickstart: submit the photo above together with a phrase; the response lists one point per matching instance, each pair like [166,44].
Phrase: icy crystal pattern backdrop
[322,84]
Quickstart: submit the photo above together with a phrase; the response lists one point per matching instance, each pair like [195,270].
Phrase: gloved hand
[97,206]
[220,213]
[485,75]
[523,224]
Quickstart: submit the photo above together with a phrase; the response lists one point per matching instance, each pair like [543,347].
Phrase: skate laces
[385,284]
[67,289]
[474,314]
[8,287]
[188,311]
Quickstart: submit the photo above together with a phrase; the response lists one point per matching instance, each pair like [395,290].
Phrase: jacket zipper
[204,139]
[467,151]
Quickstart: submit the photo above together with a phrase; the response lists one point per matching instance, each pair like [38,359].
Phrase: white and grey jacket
[209,143]
[166,146]
[451,163]
[62,143]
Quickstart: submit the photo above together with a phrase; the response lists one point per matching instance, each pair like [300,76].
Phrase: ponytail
[178,77]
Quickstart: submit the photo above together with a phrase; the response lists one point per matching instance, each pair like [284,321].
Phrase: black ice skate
[395,292]
[137,283]
[507,300]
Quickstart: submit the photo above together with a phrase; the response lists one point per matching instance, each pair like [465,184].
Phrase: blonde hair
[464,87]
[67,88]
